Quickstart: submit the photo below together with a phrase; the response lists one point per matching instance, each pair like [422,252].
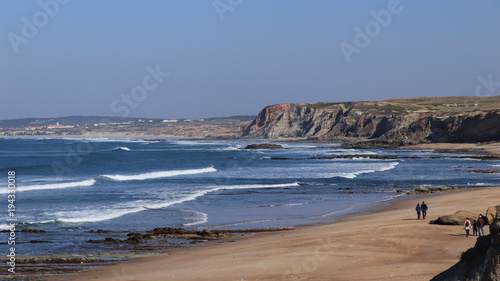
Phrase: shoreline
[374,246]
[386,207]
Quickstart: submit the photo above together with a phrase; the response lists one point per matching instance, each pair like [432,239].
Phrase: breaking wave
[161,174]
[53,186]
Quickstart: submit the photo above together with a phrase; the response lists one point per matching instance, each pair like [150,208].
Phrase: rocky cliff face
[400,122]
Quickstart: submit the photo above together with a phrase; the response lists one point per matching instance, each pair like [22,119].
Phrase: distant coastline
[379,124]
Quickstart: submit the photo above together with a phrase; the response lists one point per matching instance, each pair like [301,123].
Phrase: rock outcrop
[457,218]
[492,212]
[394,122]
[482,262]
[263,146]
[425,190]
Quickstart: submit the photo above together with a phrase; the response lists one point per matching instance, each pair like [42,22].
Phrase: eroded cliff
[395,122]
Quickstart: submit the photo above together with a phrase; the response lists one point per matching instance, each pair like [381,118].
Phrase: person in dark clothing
[480,225]
[474,228]
[418,209]
[424,210]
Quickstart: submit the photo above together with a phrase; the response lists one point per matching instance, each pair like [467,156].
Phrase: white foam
[97,215]
[252,186]
[187,142]
[161,174]
[230,148]
[287,205]
[352,152]
[122,148]
[4,226]
[51,179]
[53,186]
[94,215]
[353,175]
[477,184]
[199,219]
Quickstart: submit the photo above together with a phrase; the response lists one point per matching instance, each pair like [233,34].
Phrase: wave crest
[161,174]
[54,186]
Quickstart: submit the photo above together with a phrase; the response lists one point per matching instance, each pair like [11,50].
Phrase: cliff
[392,122]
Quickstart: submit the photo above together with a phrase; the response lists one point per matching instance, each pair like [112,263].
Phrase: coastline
[383,244]
[387,243]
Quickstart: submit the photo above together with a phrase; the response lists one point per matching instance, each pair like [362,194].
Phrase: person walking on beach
[424,209]
[474,228]
[418,209]
[467,226]
[480,224]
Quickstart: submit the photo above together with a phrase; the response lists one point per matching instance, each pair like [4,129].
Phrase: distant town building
[32,128]
[58,126]
[170,121]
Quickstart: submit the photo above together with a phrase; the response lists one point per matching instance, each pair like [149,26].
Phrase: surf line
[11,199]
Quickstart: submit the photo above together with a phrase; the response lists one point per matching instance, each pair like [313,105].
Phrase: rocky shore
[121,247]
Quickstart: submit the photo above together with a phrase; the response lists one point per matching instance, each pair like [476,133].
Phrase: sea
[70,186]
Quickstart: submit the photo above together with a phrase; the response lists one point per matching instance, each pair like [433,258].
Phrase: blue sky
[86,57]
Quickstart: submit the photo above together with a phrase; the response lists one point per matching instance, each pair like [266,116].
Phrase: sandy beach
[387,244]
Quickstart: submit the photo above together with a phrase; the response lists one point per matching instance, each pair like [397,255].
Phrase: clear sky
[205,58]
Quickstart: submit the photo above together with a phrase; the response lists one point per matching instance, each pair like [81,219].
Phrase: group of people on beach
[477,226]
[421,209]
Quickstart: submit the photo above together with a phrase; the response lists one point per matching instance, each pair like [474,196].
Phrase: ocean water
[71,186]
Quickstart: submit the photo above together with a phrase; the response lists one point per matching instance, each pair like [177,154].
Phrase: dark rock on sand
[100,231]
[107,240]
[485,171]
[183,233]
[482,262]
[457,218]
[424,190]
[110,240]
[263,146]
[31,230]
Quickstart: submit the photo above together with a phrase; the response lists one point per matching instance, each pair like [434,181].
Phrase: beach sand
[387,244]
